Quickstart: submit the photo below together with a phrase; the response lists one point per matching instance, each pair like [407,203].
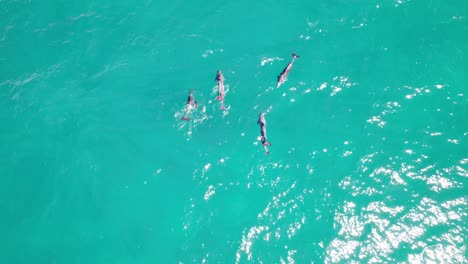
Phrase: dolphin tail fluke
[222,107]
[186,118]
[295,55]
[266,148]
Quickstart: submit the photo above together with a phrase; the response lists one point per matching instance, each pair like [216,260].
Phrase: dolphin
[191,103]
[262,122]
[284,74]
[220,80]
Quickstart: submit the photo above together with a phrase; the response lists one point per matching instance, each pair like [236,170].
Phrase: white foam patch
[347,153]
[376,120]
[336,89]
[360,25]
[322,86]
[209,192]
[269,60]
[211,52]
[206,167]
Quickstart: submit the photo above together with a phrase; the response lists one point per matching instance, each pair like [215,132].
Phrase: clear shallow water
[368,163]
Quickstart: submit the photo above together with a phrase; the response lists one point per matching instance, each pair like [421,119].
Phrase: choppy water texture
[368,160]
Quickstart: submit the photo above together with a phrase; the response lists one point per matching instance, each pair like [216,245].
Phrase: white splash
[269,60]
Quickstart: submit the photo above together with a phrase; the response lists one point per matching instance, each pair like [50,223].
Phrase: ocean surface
[369,155]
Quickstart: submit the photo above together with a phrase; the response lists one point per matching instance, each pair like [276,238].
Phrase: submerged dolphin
[191,103]
[262,123]
[284,74]
[220,80]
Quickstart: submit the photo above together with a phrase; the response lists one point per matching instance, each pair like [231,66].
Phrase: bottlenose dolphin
[284,74]
[191,103]
[220,80]
[262,123]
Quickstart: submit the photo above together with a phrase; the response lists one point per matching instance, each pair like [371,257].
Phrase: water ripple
[383,230]
[375,231]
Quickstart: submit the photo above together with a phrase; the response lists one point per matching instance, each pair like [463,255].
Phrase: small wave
[83,15]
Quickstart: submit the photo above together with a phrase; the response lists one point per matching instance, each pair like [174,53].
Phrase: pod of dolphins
[282,77]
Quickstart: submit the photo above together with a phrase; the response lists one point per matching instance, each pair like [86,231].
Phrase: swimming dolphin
[220,80]
[284,74]
[262,123]
[191,103]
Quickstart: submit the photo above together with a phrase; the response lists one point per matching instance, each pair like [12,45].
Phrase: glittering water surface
[368,160]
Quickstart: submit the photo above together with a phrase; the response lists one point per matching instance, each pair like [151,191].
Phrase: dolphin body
[220,80]
[262,122]
[191,103]
[284,74]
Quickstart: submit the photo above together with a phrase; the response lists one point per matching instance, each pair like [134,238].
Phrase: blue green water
[368,162]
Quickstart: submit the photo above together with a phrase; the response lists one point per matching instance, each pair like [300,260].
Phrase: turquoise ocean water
[368,160]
